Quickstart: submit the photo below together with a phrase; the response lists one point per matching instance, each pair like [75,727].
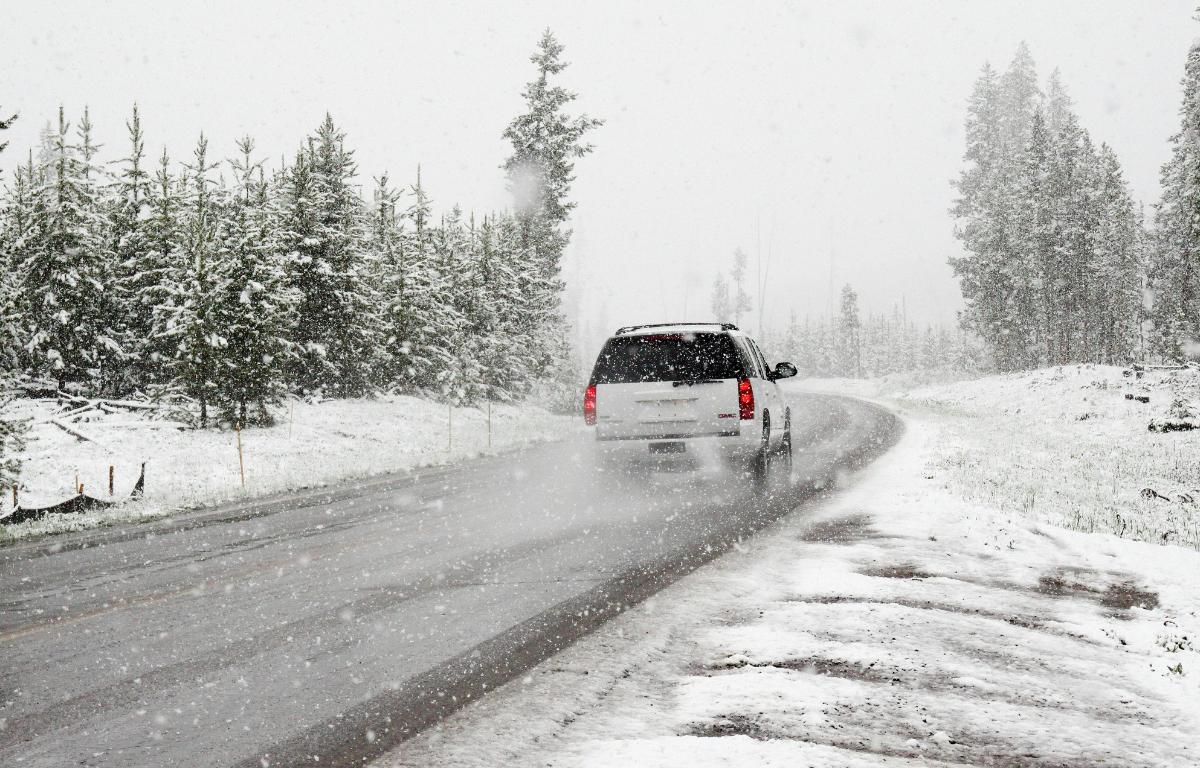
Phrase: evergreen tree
[105,308]
[392,280]
[982,212]
[1175,268]
[16,233]
[128,207]
[61,263]
[740,299]
[719,301]
[323,234]
[253,305]
[195,286]
[1033,268]
[1119,248]
[11,233]
[546,141]
[849,327]
[1018,95]
[427,337]
[154,281]
[451,262]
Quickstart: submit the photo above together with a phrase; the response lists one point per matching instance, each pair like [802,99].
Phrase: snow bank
[313,444]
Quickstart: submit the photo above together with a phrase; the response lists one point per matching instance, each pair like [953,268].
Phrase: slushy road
[324,627]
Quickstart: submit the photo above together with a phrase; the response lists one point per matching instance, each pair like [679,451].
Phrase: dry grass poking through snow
[1066,446]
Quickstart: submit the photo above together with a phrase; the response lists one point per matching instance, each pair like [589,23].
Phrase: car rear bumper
[737,445]
[735,433]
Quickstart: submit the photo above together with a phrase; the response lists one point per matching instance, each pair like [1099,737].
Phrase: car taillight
[745,399]
[589,405]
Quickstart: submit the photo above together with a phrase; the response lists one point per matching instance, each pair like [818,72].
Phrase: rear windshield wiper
[690,382]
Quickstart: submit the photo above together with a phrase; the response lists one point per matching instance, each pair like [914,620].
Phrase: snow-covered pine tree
[194,287]
[386,241]
[16,229]
[110,352]
[1175,256]
[546,141]
[1069,304]
[739,298]
[980,213]
[1036,273]
[523,289]
[154,281]
[335,321]
[1019,96]
[12,226]
[849,339]
[62,264]
[991,214]
[496,329]
[1119,252]
[418,318]
[128,202]
[451,260]
[929,357]
[719,300]
[253,305]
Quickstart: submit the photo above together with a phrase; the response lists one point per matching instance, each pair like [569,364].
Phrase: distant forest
[1060,265]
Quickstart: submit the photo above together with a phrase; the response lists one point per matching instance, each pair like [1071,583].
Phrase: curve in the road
[337,623]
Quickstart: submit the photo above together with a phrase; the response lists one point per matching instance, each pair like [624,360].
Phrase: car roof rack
[629,328]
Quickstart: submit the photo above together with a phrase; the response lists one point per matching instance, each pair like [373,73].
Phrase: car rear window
[667,357]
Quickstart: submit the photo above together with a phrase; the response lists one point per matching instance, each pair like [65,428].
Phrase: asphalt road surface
[327,626]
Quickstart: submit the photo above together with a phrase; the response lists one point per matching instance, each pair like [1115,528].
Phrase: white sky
[818,124]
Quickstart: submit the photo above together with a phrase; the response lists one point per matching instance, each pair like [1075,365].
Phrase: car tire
[760,465]
[785,447]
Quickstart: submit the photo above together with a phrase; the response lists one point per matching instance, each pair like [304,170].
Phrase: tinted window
[667,357]
[762,359]
[751,361]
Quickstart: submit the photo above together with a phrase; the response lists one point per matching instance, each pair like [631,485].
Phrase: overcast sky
[798,130]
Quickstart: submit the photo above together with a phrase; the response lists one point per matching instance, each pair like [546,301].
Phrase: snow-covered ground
[312,444]
[923,616]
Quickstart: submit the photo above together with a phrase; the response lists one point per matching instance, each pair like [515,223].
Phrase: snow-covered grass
[897,623]
[312,444]
[1066,446]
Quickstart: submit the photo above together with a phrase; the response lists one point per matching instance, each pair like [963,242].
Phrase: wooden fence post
[110,479]
[241,463]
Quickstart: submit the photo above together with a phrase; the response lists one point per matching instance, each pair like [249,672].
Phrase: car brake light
[745,400]
[589,405]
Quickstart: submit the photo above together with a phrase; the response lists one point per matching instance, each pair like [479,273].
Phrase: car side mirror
[783,371]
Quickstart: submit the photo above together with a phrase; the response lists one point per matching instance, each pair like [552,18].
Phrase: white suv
[695,388]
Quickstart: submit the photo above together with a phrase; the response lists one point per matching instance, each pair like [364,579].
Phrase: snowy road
[335,623]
